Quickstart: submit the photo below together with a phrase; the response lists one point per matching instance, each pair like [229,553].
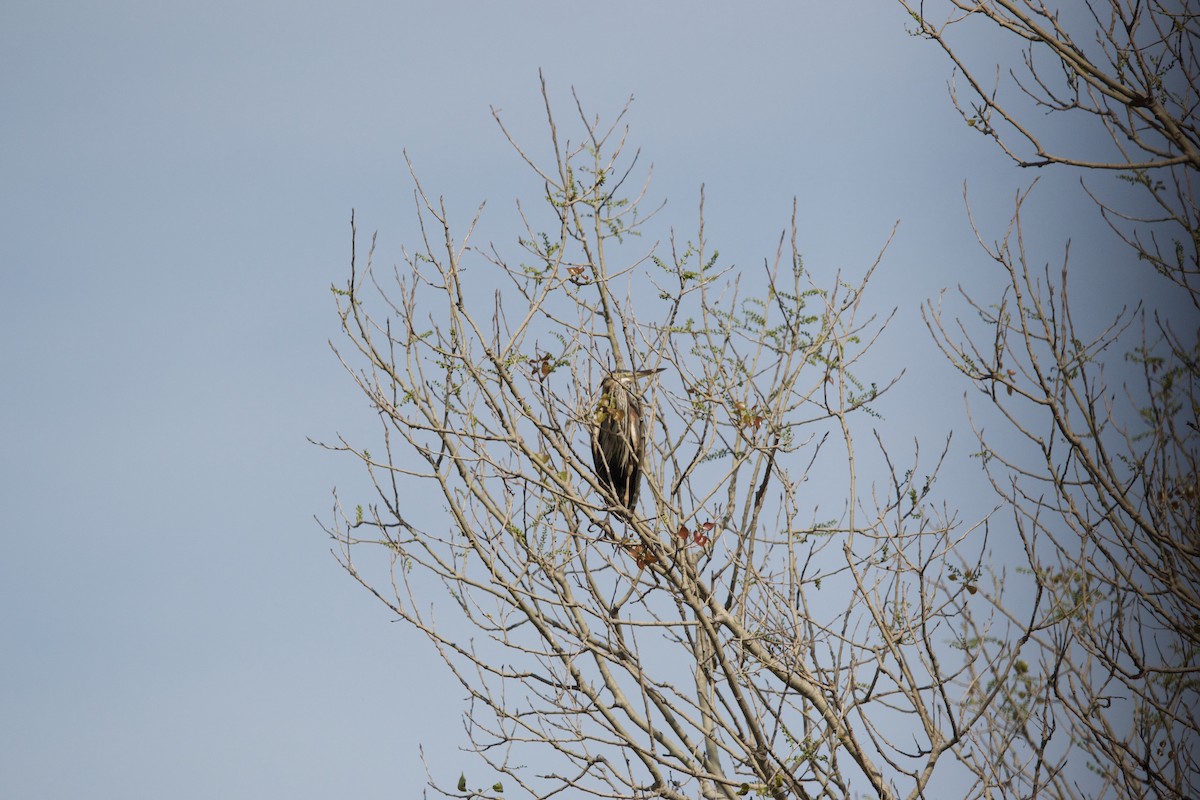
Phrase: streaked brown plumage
[618,435]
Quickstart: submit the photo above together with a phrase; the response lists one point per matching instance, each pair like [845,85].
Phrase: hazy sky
[176,181]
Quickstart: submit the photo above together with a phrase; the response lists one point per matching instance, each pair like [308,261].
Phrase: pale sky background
[176,181]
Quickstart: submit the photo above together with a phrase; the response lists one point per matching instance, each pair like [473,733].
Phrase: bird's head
[629,377]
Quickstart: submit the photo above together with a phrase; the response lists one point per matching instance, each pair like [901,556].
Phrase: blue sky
[176,181]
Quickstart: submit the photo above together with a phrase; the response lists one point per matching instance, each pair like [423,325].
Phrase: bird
[619,436]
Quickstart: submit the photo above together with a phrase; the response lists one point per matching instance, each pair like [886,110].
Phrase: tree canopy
[735,636]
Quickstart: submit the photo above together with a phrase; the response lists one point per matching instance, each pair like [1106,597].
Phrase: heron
[619,436]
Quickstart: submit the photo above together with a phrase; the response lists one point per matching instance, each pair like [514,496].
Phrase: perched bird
[618,435]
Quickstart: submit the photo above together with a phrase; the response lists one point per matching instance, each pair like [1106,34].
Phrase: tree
[737,634]
[725,639]
[1104,492]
